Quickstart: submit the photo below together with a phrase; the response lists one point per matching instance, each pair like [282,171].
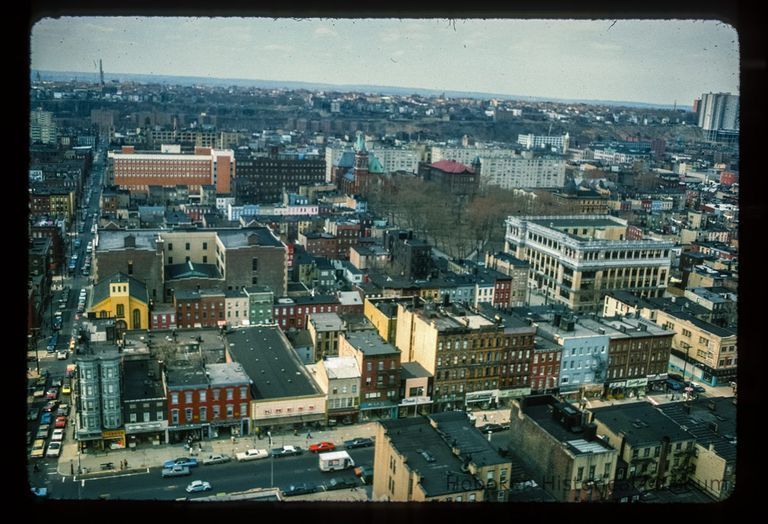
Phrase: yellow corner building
[123,298]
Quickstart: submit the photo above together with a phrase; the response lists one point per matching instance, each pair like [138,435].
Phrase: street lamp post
[271,462]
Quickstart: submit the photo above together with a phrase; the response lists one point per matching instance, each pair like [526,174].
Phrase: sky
[652,61]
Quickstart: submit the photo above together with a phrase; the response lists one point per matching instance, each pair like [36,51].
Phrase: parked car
[340,483]
[216,459]
[66,390]
[675,376]
[198,485]
[62,354]
[32,414]
[46,418]
[252,454]
[38,449]
[674,385]
[358,443]
[300,488]
[52,394]
[492,428]
[696,387]
[50,405]
[61,422]
[63,410]
[58,435]
[189,462]
[322,446]
[42,431]
[286,451]
[175,471]
[54,448]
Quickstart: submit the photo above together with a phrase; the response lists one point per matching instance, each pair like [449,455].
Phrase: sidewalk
[147,456]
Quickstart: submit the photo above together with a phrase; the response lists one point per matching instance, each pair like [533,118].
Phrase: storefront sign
[636,382]
[619,384]
[481,396]
[144,427]
[411,401]
[113,434]
[514,393]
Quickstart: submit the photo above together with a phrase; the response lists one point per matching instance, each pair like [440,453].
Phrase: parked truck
[335,460]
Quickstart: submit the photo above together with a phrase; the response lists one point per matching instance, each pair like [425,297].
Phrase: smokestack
[101,73]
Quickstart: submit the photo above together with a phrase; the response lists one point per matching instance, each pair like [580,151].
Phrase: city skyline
[648,61]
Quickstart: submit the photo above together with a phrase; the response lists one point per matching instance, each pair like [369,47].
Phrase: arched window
[120,311]
[136,319]
[103,314]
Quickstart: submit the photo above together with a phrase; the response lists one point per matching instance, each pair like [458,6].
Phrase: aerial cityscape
[359,260]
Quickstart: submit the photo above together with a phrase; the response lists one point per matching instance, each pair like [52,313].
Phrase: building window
[216,411]
[203,413]
[243,393]
[202,395]
[175,416]
[188,415]
[230,411]
[205,245]
[230,394]
[188,397]
[255,264]
[120,310]
[170,260]
[186,246]
[216,393]
[174,398]
[170,246]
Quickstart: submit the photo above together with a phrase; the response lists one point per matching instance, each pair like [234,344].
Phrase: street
[147,484]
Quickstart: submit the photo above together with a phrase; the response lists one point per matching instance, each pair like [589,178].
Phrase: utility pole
[271,462]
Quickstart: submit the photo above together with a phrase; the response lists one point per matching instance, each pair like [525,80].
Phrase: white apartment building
[576,260]
[506,168]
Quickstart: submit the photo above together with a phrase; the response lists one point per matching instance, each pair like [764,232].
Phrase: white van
[335,460]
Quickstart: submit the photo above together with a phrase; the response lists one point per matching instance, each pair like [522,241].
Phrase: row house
[379,365]
[292,312]
[204,400]
[201,308]
[340,377]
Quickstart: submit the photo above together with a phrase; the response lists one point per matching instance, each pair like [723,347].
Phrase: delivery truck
[335,460]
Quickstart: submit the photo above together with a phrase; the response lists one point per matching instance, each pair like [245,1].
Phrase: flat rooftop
[341,367]
[428,455]
[640,422]
[187,376]
[370,343]
[229,374]
[142,380]
[709,420]
[326,321]
[542,415]
[472,444]
[413,370]
[272,364]
[562,223]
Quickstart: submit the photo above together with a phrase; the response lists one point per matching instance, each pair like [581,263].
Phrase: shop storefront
[140,434]
[413,406]
[381,410]
[187,432]
[114,439]
[481,399]
[506,396]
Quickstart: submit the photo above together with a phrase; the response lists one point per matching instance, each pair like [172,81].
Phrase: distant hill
[312,86]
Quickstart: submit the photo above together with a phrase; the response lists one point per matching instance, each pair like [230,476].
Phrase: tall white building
[41,127]
[719,114]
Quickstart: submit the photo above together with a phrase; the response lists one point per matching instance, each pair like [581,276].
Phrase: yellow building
[437,458]
[699,349]
[123,298]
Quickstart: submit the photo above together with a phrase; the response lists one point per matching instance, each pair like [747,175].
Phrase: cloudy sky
[662,61]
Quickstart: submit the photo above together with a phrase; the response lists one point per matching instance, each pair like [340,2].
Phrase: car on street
[54,448]
[675,376]
[46,418]
[252,454]
[286,451]
[42,431]
[62,354]
[56,383]
[674,385]
[358,443]
[52,394]
[58,435]
[198,485]
[300,488]
[189,462]
[340,483]
[38,449]
[63,410]
[61,422]
[32,414]
[696,387]
[66,390]
[216,459]
[39,392]
[175,471]
[50,405]
[364,471]
[322,446]
[492,428]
